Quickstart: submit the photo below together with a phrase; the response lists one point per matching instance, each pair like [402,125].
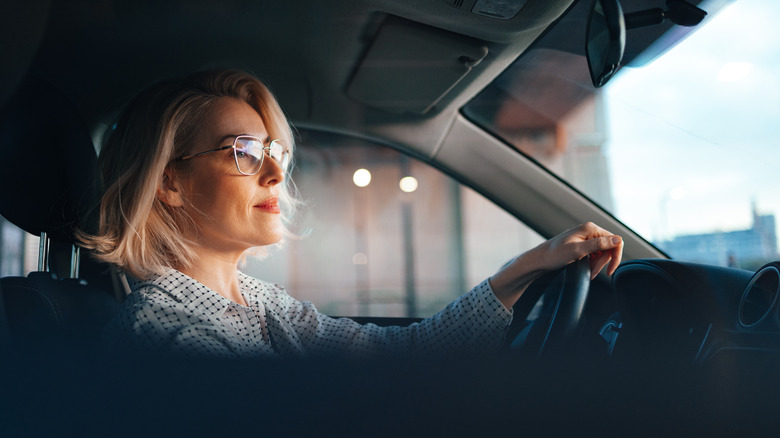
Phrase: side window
[18,250]
[383,234]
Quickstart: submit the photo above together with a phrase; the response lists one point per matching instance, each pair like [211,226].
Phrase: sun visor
[411,67]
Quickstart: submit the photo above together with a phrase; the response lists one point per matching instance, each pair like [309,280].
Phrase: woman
[195,176]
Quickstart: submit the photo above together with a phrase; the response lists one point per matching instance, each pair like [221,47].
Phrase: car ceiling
[100,52]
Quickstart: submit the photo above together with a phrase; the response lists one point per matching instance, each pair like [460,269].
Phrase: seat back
[46,315]
[48,180]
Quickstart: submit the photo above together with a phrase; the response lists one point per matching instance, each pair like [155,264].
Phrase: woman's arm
[512,280]
[474,322]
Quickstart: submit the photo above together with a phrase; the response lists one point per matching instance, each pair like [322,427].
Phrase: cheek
[217,197]
[206,195]
[228,198]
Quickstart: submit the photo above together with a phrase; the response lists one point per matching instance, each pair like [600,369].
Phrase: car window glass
[12,249]
[370,248]
[681,149]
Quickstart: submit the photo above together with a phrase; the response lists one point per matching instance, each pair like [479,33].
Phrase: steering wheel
[558,324]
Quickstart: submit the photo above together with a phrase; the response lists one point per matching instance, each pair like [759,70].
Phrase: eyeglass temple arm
[205,152]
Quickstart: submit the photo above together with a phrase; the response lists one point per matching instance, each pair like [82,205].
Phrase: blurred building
[748,249]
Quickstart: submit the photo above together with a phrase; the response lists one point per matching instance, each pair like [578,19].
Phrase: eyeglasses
[249,152]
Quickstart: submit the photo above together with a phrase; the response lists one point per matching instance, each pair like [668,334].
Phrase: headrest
[47,162]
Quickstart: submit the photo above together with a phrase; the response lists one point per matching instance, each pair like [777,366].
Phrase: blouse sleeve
[475,322]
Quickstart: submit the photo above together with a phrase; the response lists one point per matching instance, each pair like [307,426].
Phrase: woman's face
[233,212]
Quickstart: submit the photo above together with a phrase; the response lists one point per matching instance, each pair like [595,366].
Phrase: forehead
[230,116]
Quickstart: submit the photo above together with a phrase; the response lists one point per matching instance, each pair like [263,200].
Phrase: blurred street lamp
[408,184]
[361,177]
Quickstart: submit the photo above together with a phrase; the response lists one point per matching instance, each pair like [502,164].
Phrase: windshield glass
[680,149]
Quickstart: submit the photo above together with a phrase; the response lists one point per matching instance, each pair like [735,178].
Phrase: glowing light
[359,259]
[408,184]
[361,177]
[734,71]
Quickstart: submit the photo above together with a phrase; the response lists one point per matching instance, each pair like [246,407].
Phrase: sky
[693,136]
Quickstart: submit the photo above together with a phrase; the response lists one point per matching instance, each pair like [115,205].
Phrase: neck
[219,274]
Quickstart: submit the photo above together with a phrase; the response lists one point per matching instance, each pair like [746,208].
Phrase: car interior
[412,77]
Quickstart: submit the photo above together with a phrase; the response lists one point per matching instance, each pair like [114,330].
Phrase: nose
[271,173]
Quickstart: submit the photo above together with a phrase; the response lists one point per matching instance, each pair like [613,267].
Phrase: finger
[617,256]
[593,256]
[610,253]
[590,230]
[603,244]
[598,264]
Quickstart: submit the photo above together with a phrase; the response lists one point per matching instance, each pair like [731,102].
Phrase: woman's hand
[604,248]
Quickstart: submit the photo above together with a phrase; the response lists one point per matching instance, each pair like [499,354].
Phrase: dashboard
[678,313]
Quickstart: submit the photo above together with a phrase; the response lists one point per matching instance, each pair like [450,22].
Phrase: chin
[262,248]
[271,239]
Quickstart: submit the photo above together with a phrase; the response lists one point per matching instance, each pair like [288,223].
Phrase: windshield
[682,149]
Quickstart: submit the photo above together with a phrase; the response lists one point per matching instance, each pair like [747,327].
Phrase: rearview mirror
[606,40]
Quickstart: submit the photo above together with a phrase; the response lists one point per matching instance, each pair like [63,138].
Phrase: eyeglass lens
[250,152]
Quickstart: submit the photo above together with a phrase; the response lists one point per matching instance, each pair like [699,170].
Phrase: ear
[170,189]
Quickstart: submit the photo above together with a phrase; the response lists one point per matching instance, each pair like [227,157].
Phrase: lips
[270,205]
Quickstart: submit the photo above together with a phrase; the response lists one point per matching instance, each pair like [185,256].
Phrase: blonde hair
[136,231]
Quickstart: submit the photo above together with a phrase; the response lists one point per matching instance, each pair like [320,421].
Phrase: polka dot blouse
[174,312]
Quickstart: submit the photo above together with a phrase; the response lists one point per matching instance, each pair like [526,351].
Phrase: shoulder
[171,283]
[170,293]
[159,306]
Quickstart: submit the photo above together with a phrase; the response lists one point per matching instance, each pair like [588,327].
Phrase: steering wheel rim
[561,317]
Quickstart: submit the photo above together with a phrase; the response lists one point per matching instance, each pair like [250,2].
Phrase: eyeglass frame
[235,156]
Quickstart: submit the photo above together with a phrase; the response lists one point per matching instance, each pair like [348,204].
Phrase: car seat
[48,188]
